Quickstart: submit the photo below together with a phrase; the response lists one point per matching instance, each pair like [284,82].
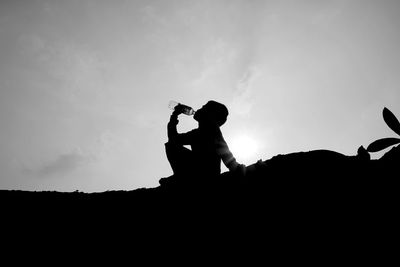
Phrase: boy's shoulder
[210,131]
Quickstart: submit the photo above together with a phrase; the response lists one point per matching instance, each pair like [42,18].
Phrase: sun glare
[243,148]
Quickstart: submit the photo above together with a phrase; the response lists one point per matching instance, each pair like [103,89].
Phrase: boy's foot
[167,180]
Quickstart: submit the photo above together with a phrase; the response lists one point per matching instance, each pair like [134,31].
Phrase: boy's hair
[220,111]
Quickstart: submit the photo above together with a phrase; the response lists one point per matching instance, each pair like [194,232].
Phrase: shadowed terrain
[301,206]
[310,183]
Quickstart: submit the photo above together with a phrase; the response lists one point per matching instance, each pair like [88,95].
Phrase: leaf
[391,120]
[382,144]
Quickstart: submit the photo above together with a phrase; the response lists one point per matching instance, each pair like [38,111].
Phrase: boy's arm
[226,155]
[171,127]
[173,135]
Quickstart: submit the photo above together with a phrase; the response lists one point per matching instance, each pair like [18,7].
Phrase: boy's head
[212,112]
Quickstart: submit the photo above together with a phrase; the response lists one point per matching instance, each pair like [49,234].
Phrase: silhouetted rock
[318,200]
[315,177]
[392,156]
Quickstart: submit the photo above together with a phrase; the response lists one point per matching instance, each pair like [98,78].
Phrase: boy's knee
[172,147]
[170,144]
[175,149]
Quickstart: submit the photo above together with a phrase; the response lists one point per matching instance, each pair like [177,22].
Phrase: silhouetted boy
[207,143]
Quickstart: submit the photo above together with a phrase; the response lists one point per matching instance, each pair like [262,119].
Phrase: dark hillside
[306,205]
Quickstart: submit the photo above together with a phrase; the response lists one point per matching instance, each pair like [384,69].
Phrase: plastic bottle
[185,109]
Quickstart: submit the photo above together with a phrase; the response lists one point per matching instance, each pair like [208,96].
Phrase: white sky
[84,85]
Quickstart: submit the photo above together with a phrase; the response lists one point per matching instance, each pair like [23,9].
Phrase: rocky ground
[318,197]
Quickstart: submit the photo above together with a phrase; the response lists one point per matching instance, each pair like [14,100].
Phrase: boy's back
[209,148]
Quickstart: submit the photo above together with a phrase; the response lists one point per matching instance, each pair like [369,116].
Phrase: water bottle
[185,109]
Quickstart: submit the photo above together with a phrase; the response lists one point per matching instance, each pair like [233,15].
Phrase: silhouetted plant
[383,143]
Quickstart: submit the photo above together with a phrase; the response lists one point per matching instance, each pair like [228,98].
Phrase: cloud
[217,59]
[62,164]
[32,44]
[242,103]
[80,72]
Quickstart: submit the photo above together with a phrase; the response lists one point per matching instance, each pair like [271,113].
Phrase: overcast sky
[84,85]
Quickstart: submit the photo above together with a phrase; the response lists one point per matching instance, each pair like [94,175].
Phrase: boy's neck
[205,125]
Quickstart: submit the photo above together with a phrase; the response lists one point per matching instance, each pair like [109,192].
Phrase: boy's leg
[180,158]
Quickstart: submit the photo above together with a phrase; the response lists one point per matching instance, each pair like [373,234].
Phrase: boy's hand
[240,170]
[174,116]
[177,110]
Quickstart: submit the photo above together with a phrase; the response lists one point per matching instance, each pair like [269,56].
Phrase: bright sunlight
[243,148]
